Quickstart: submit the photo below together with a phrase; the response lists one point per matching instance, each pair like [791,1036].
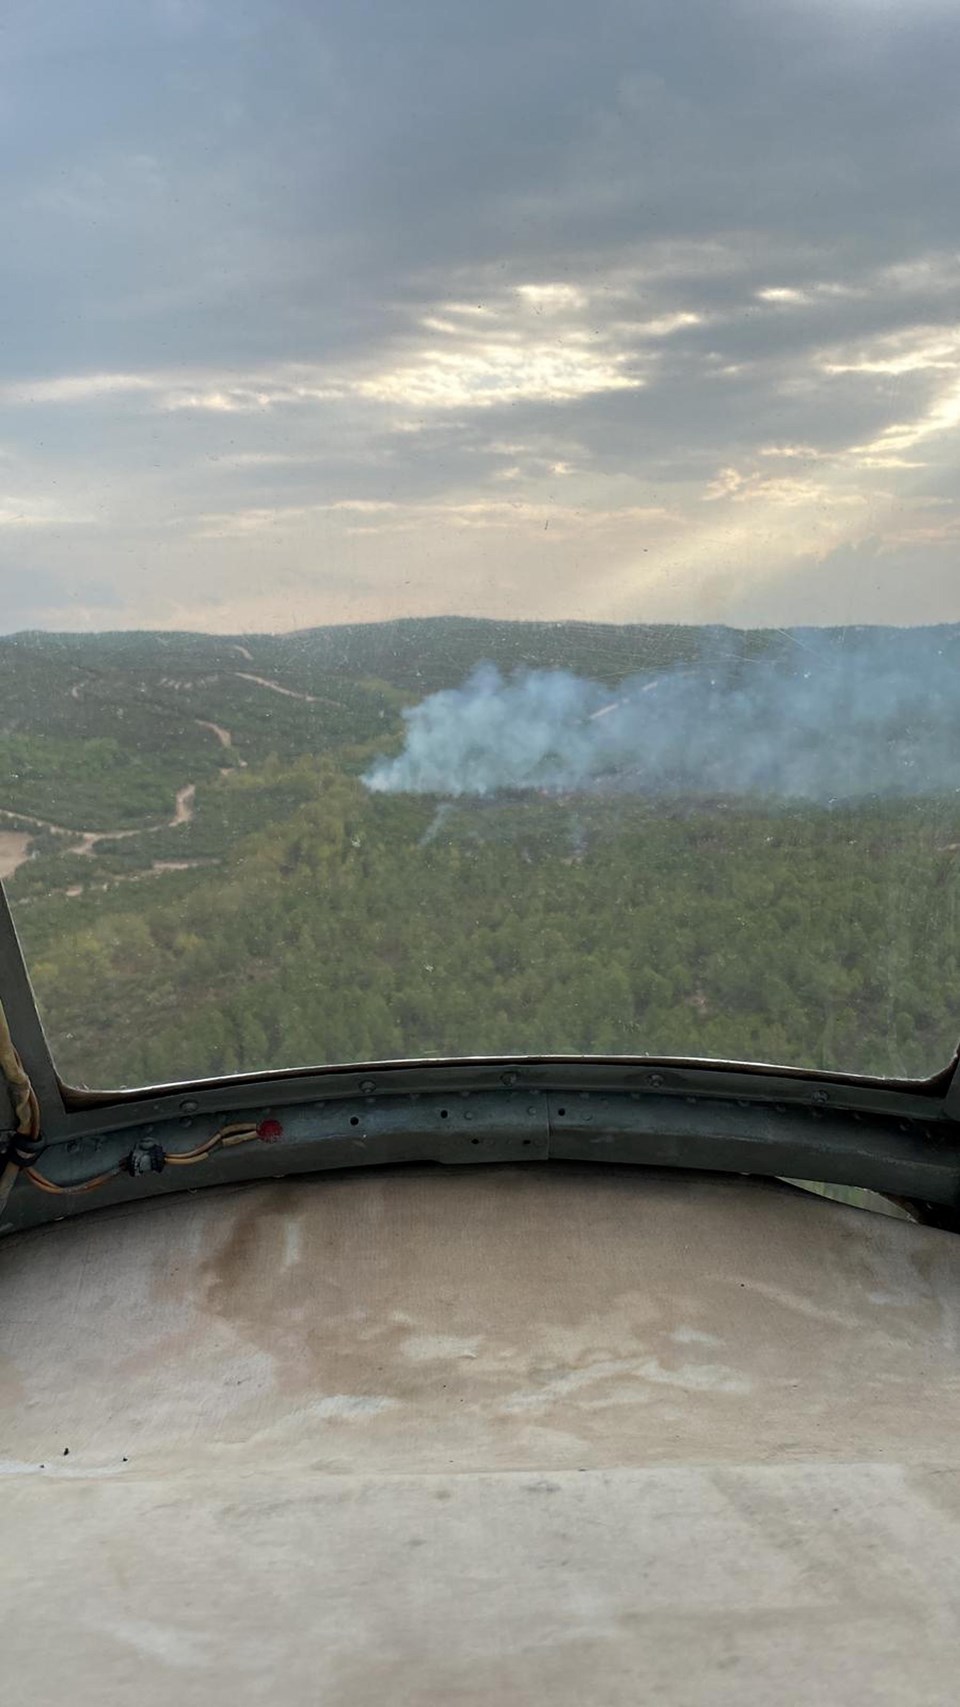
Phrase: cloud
[644,311]
[75,388]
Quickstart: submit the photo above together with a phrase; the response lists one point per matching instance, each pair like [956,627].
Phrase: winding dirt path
[225,738]
[223,735]
[14,846]
[183,812]
[277,687]
[85,841]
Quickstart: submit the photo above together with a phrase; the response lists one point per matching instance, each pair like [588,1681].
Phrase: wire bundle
[26,1108]
[157,1158]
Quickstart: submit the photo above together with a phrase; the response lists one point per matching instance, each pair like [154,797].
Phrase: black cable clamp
[24,1150]
[145,1159]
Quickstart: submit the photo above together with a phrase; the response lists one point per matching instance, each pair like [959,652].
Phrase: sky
[328,312]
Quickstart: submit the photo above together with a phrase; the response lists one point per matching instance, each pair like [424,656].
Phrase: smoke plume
[827,715]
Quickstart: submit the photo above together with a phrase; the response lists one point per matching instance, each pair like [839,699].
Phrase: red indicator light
[269,1131]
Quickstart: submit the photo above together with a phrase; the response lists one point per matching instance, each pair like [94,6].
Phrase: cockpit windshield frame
[895,1136]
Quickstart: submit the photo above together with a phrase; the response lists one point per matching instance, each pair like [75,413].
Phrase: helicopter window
[478,528]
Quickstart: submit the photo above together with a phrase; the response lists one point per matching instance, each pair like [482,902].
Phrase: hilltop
[203,884]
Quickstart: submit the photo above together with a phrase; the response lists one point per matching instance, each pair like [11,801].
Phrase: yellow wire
[27,1110]
[39,1179]
[25,1105]
[227,1136]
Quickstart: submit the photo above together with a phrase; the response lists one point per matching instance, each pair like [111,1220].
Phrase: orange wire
[39,1179]
[227,1136]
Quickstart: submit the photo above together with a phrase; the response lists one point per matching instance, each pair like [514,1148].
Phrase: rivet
[508,1078]
[367,1087]
[189,1106]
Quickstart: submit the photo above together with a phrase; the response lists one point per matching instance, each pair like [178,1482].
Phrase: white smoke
[837,716]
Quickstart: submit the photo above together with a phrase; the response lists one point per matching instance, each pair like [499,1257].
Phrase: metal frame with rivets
[900,1137]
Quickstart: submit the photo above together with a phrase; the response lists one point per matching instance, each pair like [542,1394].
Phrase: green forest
[203,884]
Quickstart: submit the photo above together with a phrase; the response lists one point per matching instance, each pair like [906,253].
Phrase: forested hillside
[204,883]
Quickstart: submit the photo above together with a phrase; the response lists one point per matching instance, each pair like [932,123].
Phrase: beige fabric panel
[481,1436]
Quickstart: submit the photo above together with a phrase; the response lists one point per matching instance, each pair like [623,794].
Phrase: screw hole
[444,1113]
[561,1111]
[354,1120]
[526,1142]
[474,1140]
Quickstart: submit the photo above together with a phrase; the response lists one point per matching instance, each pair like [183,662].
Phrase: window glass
[478,530]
